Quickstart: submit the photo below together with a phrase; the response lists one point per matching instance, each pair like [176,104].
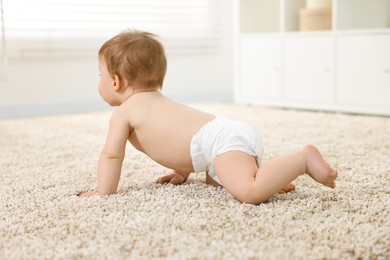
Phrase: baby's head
[137,58]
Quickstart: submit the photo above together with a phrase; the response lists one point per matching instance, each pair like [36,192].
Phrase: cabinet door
[260,72]
[309,69]
[363,74]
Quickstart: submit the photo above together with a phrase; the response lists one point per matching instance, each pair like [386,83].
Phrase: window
[79,27]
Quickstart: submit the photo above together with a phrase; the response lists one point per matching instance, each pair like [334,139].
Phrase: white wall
[60,85]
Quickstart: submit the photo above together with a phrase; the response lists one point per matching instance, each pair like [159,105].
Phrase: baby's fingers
[174,181]
[165,179]
[177,179]
[173,178]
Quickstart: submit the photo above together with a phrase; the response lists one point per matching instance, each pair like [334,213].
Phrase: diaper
[219,136]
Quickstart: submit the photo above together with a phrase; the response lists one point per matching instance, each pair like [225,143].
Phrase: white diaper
[219,136]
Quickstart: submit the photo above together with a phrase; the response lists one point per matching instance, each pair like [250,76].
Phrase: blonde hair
[136,57]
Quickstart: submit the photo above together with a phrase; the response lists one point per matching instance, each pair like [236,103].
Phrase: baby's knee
[251,196]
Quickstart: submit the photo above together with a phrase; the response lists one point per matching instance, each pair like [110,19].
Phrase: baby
[132,68]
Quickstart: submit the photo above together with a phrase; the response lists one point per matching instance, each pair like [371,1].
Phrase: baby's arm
[111,157]
[112,154]
[174,178]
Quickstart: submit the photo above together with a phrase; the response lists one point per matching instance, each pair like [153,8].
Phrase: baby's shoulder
[119,116]
[131,112]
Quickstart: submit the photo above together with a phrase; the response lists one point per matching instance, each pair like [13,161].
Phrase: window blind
[79,27]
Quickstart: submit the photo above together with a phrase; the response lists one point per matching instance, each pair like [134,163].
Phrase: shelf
[259,16]
[363,14]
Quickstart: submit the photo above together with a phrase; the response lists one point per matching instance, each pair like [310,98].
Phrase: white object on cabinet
[314,4]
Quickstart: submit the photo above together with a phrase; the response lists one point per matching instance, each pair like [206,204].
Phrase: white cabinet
[260,70]
[344,67]
[363,69]
[308,63]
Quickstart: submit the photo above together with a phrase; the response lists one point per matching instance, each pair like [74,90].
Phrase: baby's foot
[288,188]
[317,167]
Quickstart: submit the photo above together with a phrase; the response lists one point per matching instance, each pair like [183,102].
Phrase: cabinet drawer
[309,68]
[260,70]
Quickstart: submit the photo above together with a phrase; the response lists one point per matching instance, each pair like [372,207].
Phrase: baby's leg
[240,176]
[211,181]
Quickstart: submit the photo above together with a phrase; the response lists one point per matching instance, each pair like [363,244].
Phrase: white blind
[79,27]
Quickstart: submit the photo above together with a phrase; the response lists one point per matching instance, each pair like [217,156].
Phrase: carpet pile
[46,161]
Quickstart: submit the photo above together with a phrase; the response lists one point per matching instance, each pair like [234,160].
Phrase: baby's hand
[173,178]
[87,194]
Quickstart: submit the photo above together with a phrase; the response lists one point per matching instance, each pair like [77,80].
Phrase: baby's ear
[116,83]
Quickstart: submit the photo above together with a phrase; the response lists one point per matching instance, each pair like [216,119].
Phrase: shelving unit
[345,67]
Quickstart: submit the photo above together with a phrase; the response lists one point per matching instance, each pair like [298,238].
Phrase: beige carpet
[45,161]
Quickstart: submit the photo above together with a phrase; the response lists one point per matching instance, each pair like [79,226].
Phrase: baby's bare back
[163,129]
